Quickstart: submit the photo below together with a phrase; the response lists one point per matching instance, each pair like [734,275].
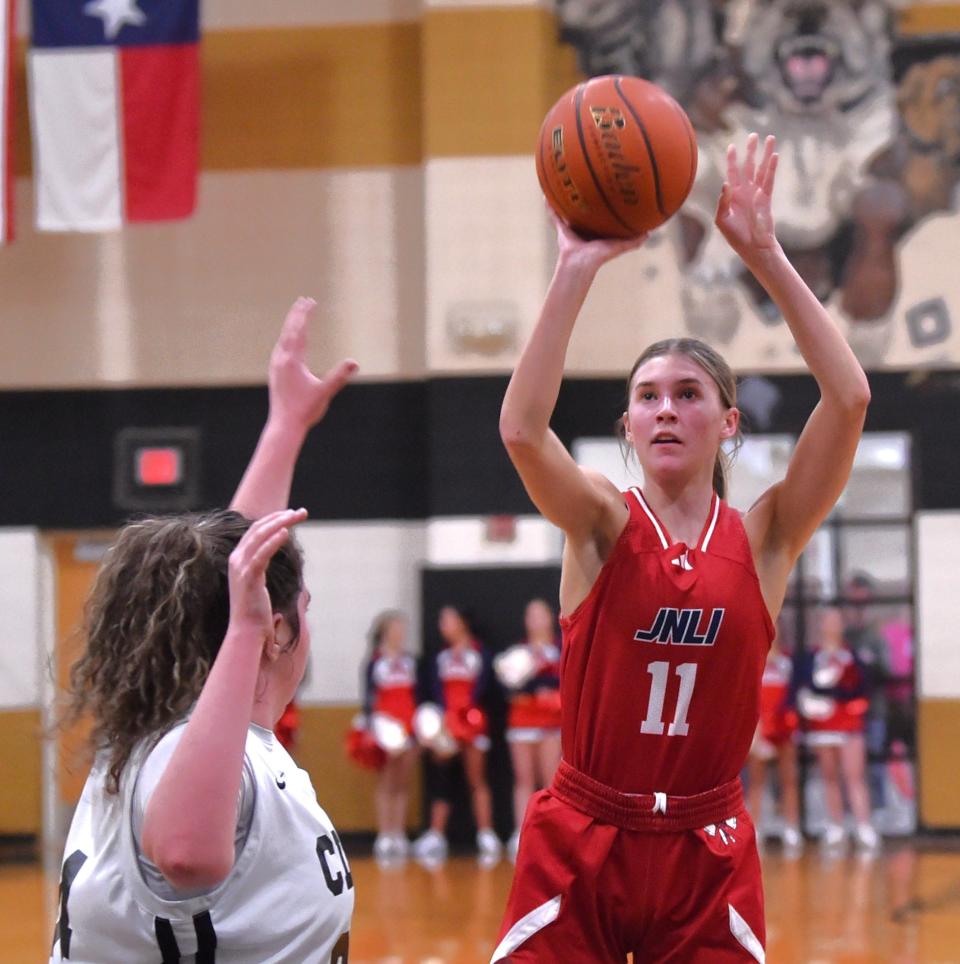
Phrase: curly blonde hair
[154,623]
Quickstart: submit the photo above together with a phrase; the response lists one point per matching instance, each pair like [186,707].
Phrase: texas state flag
[115,111]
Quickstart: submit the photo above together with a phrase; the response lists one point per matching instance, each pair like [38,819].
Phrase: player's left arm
[298,400]
[785,517]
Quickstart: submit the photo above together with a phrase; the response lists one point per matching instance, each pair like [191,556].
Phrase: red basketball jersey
[661,666]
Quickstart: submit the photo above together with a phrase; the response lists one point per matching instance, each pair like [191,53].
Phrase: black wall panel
[404,450]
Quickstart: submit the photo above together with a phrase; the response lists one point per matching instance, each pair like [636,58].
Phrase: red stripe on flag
[160,111]
[6,229]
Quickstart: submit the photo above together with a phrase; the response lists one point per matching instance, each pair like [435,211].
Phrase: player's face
[538,619]
[675,420]
[831,628]
[451,624]
[395,635]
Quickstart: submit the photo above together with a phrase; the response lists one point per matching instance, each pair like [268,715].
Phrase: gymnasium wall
[938,683]
[353,571]
[362,153]
[23,634]
[402,478]
[377,155]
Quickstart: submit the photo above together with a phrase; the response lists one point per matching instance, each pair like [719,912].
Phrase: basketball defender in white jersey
[197,838]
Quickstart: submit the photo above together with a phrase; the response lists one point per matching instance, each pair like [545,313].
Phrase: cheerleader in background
[775,741]
[533,721]
[287,728]
[831,697]
[460,674]
[390,681]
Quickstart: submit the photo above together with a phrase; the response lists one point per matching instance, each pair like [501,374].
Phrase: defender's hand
[250,605]
[297,396]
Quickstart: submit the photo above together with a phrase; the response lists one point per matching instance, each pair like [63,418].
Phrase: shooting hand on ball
[744,214]
[594,252]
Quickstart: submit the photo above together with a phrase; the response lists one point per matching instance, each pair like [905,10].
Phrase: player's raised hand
[744,214]
[297,395]
[250,607]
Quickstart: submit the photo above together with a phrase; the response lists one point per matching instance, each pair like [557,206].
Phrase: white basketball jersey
[287,900]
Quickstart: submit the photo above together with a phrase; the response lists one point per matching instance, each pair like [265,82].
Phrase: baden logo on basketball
[608,117]
[609,122]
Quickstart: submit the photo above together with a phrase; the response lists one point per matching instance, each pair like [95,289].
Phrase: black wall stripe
[166,941]
[206,938]
[367,460]
[401,451]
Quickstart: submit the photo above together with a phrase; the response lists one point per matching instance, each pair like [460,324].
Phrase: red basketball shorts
[586,891]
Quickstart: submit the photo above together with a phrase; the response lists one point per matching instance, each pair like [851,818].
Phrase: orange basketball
[617,156]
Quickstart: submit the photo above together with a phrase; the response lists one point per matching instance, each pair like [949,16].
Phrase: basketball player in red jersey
[642,843]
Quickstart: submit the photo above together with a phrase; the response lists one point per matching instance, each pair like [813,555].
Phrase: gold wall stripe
[938,762]
[345,96]
[462,82]
[316,97]
[489,76]
[343,789]
[929,18]
[20,778]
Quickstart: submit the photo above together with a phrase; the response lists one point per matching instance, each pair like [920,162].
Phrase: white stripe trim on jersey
[713,523]
[526,927]
[650,515]
[745,937]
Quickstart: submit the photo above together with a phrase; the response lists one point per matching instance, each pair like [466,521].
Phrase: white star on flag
[115,14]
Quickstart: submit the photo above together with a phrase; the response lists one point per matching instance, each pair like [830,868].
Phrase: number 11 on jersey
[660,671]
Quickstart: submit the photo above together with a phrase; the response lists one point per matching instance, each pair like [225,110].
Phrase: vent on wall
[156,469]
[482,327]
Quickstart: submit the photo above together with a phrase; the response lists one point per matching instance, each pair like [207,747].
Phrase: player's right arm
[583,504]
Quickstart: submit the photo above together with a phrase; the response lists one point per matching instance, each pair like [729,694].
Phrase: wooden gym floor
[903,907]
